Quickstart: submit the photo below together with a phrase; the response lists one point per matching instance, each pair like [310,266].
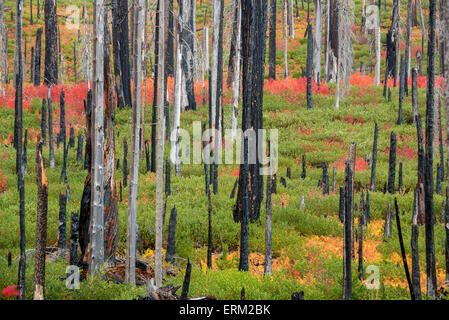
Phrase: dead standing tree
[51,47]
[130,272]
[272,42]
[41,223]
[428,166]
[96,227]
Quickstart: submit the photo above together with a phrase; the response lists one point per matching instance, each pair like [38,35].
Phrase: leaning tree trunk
[134,172]
[96,245]
[428,167]
[41,223]
[51,45]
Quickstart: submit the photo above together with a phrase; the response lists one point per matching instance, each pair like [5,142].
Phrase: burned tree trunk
[51,47]
[41,224]
[360,236]
[374,160]
[44,122]
[414,94]
[401,242]
[317,42]
[402,83]
[268,224]
[79,150]
[109,184]
[37,59]
[416,275]
[63,137]
[272,42]
[347,235]
[62,224]
[170,253]
[254,25]
[392,163]
[309,65]
[50,130]
[428,167]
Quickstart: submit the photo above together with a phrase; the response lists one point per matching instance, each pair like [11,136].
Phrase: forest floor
[307,242]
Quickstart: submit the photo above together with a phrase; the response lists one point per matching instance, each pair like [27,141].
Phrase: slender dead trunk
[317,42]
[268,224]
[416,275]
[236,79]
[347,235]
[272,42]
[51,47]
[428,168]
[160,147]
[130,272]
[374,160]
[96,244]
[41,224]
[285,39]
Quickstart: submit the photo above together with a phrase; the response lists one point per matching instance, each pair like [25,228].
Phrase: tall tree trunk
[109,185]
[285,38]
[41,224]
[378,57]
[2,47]
[236,79]
[317,42]
[177,95]
[188,36]
[155,91]
[160,146]
[19,155]
[134,172]
[428,168]
[123,49]
[51,46]
[116,38]
[96,245]
[272,42]
[37,58]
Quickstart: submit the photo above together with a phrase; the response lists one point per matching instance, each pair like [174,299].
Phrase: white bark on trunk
[214,70]
[409,36]
[327,51]
[176,121]
[18,39]
[317,42]
[130,272]
[291,19]
[236,81]
[285,40]
[378,61]
[96,250]
[160,135]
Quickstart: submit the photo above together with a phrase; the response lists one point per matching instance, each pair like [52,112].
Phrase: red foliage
[360,163]
[405,152]
[3,182]
[10,291]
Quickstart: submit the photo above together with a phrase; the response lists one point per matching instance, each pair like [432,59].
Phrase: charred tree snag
[19,156]
[367,216]
[347,235]
[402,83]
[79,150]
[62,223]
[272,42]
[186,283]
[88,149]
[109,184]
[74,227]
[400,178]
[309,65]
[428,167]
[41,224]
[401,242]
[352,158]
[51,47]
[420,148]
[387,226]
[414,94]
[167,178]
[125,163]
[44,122]
[325,179]
[392,163]
[37,59]
[170,253]
[374,160]
[63,138]
[250,192]
[121,50]
[155,92]
[303,173]
[268,227]
[416,282]
[72,138]
[62,126]
[360,235]
[51,143]
[188,36]
[439,179]
[341,206]
[147,156]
